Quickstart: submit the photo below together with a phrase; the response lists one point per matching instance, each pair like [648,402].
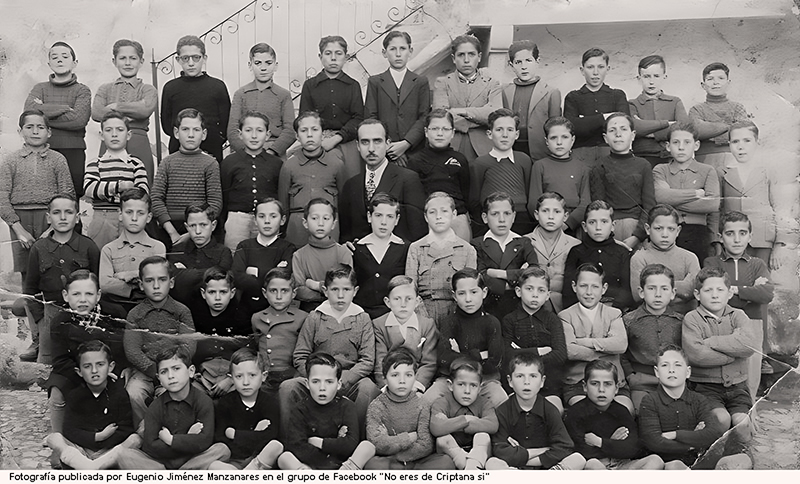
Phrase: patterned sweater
[31,178]
[67,106]
[183,179]
[391,419]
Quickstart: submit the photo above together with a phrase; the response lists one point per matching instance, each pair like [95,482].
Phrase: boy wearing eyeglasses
[196,89]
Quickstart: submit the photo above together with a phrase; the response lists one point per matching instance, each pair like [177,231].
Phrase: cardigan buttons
[269,336]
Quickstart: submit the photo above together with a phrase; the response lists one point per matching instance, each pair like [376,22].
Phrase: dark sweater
[616,263]
[443,170]
[586,108]
[626,183]
[474,333]
[743,272]
[531,331]
[310,419]
[189,280]
[86,415]
[374,277]
[584,417]
[490,175]
[204,93]
[232,412]
[249,253]
[247,179]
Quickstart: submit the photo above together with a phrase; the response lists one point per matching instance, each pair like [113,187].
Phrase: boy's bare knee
[594,465]
[652,462]
[675,465]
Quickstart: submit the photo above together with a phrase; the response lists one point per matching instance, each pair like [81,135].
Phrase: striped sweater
[184,179]
[103,175]
[492,175]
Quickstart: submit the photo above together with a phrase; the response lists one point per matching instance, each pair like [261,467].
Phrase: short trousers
[735,398]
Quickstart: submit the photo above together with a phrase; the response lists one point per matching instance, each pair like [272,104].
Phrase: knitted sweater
[391,419]
[312,261]
[718,109]
[569,177]
[443,170]
[475,333]
[67,105]
[626,183]
[590,337]
[184,179]
[491,175]
[104,174]
[615,260]
[28,178]
[682,262]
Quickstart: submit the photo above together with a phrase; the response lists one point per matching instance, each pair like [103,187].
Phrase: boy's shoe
[349,465]
[766,368]
[31,354]
[557,467]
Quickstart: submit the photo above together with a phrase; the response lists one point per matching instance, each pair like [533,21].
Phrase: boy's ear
[641,292]
[697,294]
[488,133]
[128,135]
[111,366]
[149,217]
[485,218]
[191,372]
[203,291]
[283,220]
[605,288]
[64,294]
[485,292]
[518,291]
[674,293]
[583,226]
[574,287]
[678,232]
[171,282]
[697,145]
[647,228]
[205,133]
[386,301]
[175,131]
[78,371]
[213,225]
[355,291]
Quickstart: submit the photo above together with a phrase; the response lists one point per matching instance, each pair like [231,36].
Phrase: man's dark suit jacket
[402,110]
[401,183]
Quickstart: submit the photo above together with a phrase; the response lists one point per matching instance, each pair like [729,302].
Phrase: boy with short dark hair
[200,252]
[399,97]
[402,327]
[599,247]
[380,256]
[653,111]
[533,328]
[398,420]
[185,177]
[110,175]
[98,421]
[559,172]
[604,432]
[503,170]
[592,330]
[312,261]
[276,328]
[589,107]
[649,327]
[470,332]
[67,104]
[530,432]
[194,88]
[530,97]
[339,327]
[662,229]
[153,321]
[462,420]
[675,422]
[623,180]
[750,283]
[247,420]
[502,254]
[265,97]
[179,425]
[120,258]
[51,261]
[247,176]
[718,339]
[132,98]
[693,189]
[255,257]
[337,98]
[323,426]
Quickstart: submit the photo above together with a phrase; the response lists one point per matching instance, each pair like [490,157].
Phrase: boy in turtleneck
[67,104]
[312,261]
[599,247]
[561,173]
[530,97]
[717,111]
[624,181]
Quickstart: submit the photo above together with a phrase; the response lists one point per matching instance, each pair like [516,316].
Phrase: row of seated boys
[340,285]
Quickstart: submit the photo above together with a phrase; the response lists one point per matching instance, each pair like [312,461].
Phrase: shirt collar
[266,242]
[303,159]
[707,315]
[413,321]
[378,172]
[398,76]
[504,243]
[666,399]
[642,98]
[132,239]
[724,256]
[169,304]
[450,237]
[124,156]
[270,316]
[474,407]
[499,155]
[585,89]
[693,165]
[468,80]
[252,86]
[27,150]
[342,77]
[642,311]
[538,406]
[373,239]
[133,82]
[353,310]
[72,242]
[592,313]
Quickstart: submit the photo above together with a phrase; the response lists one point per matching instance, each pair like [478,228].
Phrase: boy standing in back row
[196,89]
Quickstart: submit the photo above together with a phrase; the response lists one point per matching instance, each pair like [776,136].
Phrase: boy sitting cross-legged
[718,340]
[604,432]
[651,326]
[343,329]
[592,331]
[470,331]
[502,254]
[663,227]
[179,425]
[530,432]
[675,422]
[404,328]
[533,328]
[323,429]
[312,261]
[247,420]
[398,420]
[98,420]
[462,420]
[154,322]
